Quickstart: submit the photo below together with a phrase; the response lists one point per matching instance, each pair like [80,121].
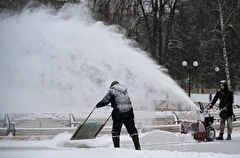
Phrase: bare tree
[224,49]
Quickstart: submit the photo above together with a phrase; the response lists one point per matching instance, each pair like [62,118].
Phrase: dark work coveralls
[122,113]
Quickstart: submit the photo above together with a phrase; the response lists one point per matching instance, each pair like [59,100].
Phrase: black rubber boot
[116,142]
[136,142]
[220,137]
[229,137]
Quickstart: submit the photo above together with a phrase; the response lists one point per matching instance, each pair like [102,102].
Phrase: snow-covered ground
[154,144]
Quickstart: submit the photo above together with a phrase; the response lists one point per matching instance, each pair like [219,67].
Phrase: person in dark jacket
[225,95]
[122,113]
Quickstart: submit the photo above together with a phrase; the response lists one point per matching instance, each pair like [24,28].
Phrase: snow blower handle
[208,106]
[202,108]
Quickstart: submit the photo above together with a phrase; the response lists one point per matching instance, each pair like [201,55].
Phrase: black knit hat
[113,83]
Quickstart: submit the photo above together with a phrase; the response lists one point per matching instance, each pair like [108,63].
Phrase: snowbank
[154,145]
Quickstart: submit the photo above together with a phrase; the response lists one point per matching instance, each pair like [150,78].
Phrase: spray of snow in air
[52,59]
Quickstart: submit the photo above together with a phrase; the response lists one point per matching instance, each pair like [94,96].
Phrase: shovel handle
[89,115]
[75,133]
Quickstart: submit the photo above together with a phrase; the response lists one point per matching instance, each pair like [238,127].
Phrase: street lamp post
[185,64]
[217,69]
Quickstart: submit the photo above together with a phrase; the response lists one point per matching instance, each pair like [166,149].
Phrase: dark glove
[98,105]
[209,107]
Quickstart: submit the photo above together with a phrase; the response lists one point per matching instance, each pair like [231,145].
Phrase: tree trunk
[224,45]
[169,28]
[155,26]
[160,32]
[148,28]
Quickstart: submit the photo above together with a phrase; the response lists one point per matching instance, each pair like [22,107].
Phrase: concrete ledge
[28,125]
[42,131]
[23,138]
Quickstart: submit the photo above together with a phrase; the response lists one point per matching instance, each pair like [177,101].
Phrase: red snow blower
[201,130]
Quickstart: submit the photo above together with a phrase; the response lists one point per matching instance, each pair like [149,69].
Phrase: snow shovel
[88,130]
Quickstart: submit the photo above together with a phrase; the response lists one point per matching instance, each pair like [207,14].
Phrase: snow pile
[154,145]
